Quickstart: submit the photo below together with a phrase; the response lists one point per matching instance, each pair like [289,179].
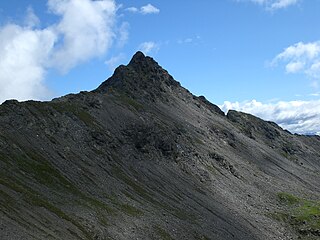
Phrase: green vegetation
[38,168]
[33,165]
[129,101]
[83,115]
[287,198]
[41,170]
[86,118]
[44,173]
[163,234]
[199,236]
[130,210]
[135,186]
[198,141]
[124,207]
[98,205]
[302,214]
[34,199]
[139,190]
[211,169]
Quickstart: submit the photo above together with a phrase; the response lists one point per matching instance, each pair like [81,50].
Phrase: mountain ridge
[141,157]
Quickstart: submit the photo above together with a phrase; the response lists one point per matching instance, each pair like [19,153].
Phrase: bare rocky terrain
[141,157]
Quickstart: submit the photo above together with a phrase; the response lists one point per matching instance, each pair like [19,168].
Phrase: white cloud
[294,67]
[147,47]
[283,3]
[274,4]
[123,34]
[307,51]
[186,40]
[24,55]
[84,31]
[316,94]
[114,61]
[301,117]
[132,9]
[301,57]
[314,70]
[85,28]
[147,9]
[195,40]
[31,19]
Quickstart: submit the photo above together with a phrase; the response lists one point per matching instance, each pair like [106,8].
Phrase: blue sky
[257,56]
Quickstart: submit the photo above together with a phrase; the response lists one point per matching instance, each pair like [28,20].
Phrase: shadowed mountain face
[141,157]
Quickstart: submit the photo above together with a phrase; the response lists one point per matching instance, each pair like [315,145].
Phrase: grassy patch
[129,101]
[42,172]
[35,199]
[287,198]
[211,169]
[99,205]
[86,118]
[302,214]
[83,115]
[140,191]
[133,184]
[198,141]
[198,236]
[163,234]
[103,219]
[130,210]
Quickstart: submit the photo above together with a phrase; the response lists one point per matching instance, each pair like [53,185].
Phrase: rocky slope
[141,157]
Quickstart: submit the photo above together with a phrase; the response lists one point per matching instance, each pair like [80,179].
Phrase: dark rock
[211,106]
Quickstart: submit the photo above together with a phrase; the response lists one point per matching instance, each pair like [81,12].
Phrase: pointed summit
[144,64]
[137,57]
[142,76]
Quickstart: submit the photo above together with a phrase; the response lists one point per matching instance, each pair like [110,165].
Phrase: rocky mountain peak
[143,76]
[141,63]
[142,158]
[138,58]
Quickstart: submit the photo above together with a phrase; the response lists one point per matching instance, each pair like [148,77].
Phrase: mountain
[141,157]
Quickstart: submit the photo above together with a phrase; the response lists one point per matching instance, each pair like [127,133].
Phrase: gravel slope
[141,157]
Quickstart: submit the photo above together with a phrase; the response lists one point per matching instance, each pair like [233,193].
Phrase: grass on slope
[40,171]
[82,114]
[302,214]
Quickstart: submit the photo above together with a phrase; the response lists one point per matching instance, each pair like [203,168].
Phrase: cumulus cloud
[24,56]
[283,3]
[84,31]
[31,19]
[148,47]
[301,57]
[147,9]
[301,117]
[132,9]
[294,67]
[274,4]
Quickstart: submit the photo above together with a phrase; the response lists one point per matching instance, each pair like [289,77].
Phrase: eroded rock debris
[141,157]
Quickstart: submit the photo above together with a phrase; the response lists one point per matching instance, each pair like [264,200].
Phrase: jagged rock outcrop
[141,157]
